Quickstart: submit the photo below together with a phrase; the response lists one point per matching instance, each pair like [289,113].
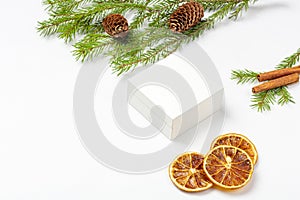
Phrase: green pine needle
[71,20]
[284,95]
[244,76]
[289,61]
[91,46]
[262,101]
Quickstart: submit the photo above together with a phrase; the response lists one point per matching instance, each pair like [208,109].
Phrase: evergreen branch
[52,5]
[139,20]
[92,45]
[210,22]
[284,95]
[222,13]
[150,56]
[262,101]
[70,18]
[213,5]
[161,51]
[243,6]
[147,47]
[244,76]
[290,61]
[238,11]
[83,19]
[70,5]
[159,11]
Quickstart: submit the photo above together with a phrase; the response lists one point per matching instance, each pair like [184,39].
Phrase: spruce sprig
[84,20]
[262,101]
[284,96]
[244,76]
[92,45]
[153,44]
[289,61]
[79,22]
[164,49]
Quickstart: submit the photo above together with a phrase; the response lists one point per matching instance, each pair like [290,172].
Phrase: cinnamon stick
[275,83]
[277,73]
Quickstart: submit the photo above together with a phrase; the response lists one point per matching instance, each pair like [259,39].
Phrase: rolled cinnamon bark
[275,83]
[277,73]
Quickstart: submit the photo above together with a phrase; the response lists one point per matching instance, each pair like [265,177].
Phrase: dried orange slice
[228,167]
[186,172]
[237,140]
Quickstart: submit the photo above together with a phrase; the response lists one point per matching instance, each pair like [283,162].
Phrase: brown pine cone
[115,25]
[186,16]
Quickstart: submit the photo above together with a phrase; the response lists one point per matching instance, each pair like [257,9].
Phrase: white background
[41,156]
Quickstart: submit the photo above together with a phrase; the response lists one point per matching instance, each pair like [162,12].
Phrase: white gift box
[178,92]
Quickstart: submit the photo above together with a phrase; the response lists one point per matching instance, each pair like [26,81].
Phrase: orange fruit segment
[228,167]
[186,172]
[237,140]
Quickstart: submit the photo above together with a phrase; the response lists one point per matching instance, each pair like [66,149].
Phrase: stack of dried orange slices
[228,165]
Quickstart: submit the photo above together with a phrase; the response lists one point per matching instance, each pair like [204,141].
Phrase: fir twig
[244,76]
[91,46]
[290,61]
[284,95]
[82,20]
[242,6]
[154,44]
[70,19]
[263,101]
[210,22]
[163,50]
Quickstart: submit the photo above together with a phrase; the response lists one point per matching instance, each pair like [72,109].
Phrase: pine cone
[115,25]
[186,16]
